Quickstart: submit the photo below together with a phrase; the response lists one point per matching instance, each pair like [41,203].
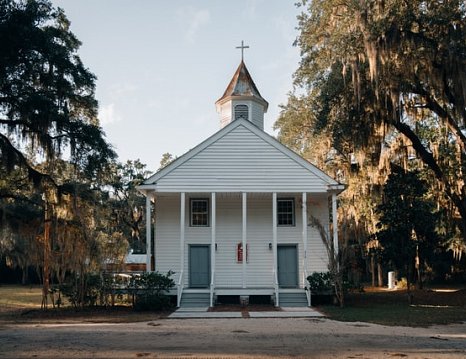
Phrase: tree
[378,72]
[320,137]
[47,102]
[20,224]
[336,259]
[21,219]
[128,203]
[167,158]
[407,223]
[47,108]
[381,83]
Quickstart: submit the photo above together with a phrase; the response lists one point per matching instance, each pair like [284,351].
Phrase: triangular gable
[218,136]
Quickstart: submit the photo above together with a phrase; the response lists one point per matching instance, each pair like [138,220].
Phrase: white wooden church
[231,215]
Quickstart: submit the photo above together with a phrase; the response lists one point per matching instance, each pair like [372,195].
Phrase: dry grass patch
[21,304]
[21,297]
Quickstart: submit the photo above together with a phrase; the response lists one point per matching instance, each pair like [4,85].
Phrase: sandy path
[319,338]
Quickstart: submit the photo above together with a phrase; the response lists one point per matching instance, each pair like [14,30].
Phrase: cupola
[242,99]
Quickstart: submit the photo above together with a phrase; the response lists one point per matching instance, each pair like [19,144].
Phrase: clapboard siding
[318,257]
[257,115]
[167,234]
[228,272]
[240,161]
[259,269]
[225,114]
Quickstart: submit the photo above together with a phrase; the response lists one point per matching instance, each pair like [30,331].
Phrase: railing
[275,285]
[307,289]
[212,288]
[179,290]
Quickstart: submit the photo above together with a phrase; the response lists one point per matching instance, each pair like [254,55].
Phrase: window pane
[285,212]
[199,212]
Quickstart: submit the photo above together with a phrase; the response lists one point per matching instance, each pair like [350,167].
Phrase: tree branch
[433,105]
[15,157]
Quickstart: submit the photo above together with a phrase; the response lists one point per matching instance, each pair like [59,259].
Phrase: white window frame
[293,212]
[192,213]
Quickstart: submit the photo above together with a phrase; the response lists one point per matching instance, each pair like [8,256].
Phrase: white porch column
[212,247]
[148,232]
[274,240]
[182,229]
[335,222]
[304,218]
[244,221]
[274,230]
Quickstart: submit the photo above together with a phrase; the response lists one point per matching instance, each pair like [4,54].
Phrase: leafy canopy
[47,104]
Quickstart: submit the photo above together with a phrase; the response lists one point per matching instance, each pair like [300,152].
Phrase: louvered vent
[241,111]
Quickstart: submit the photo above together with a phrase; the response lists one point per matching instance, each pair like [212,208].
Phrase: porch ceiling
[238,195]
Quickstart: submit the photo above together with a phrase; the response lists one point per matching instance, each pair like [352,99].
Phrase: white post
[244,237]
[274,239]
[304,218]
[335,222]
[212,248]
[274,229]
[182,229]
[148,233]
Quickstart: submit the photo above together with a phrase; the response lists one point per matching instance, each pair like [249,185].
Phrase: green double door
[287,258]
[199,266]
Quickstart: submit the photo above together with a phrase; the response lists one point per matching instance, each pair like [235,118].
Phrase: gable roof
[330,183]
[242,85]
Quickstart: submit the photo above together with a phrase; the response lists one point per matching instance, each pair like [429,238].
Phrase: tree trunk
[379,273]
[82,285]
[373,269]
[408,284]
[46,263]
[418,269]
[25,276]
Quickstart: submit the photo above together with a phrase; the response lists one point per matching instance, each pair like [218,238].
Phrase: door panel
[287,257]
[199,266]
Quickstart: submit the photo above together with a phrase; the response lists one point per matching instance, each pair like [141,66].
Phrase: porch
[206,250]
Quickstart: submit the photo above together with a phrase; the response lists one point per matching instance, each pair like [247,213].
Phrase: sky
[162,64]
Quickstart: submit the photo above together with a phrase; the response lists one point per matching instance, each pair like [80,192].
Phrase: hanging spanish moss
[384,87]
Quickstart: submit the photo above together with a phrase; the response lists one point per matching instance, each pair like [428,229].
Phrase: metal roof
[242,85]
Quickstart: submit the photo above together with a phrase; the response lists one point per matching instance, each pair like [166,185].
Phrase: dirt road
[318,338]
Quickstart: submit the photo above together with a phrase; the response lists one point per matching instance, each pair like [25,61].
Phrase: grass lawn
[18,296]
[397,314]
[19,304]
[374,306]
[391,308]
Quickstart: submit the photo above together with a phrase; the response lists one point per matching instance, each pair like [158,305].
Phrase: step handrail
[212,287]
[275,286]
[307,288]
[179,289]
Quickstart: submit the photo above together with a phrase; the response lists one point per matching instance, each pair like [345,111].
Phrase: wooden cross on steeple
[242,47]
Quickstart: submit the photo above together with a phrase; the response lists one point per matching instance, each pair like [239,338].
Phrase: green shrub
[320,282]
[151,290]
[82,291]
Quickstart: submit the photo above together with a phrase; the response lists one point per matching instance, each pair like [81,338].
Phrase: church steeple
[242,99]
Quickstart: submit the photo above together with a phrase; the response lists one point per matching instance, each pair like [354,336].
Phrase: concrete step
[195,300]
[293,299]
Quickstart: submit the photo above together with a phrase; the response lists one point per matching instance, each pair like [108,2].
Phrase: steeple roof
[242,85]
